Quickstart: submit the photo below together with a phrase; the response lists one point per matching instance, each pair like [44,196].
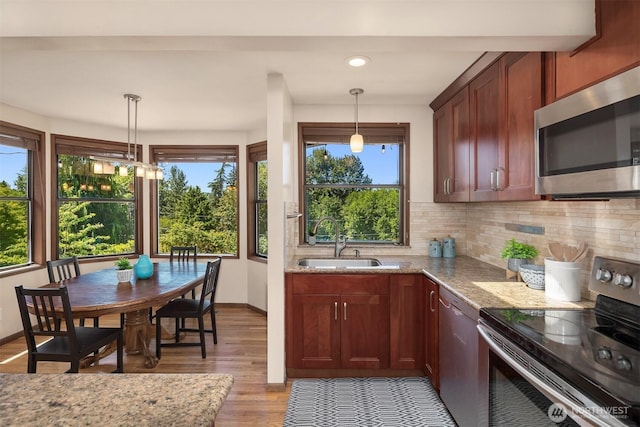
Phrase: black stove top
[592,350]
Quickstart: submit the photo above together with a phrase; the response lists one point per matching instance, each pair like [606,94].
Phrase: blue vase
[143,268]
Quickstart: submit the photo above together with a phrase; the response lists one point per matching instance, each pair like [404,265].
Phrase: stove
[592,355]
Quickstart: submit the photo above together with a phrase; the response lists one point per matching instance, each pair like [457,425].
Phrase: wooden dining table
[98,293]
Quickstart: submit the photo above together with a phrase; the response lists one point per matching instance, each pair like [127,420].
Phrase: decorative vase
[513,264]
[124,275]
[144,267]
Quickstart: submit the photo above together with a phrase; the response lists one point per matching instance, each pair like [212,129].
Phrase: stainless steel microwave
[588,144]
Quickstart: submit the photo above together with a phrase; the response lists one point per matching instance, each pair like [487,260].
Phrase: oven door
[518,390]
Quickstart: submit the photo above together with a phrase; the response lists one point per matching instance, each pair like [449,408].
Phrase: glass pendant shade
[356,143]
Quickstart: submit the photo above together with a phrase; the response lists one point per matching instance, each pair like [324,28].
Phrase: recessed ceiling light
[357,61]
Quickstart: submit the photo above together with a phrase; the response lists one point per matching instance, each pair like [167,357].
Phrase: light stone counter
[475,282]
[112,399]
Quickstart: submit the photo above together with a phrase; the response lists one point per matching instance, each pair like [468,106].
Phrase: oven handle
[539,384]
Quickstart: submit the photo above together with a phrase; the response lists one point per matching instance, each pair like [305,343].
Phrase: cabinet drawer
[319,284]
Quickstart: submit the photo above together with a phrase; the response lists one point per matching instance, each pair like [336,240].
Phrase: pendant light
[356,143]
[105,165]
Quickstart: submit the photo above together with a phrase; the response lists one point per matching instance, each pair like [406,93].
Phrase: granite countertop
[475,282]
[112,399]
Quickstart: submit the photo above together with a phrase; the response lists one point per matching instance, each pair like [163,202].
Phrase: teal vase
[143,268]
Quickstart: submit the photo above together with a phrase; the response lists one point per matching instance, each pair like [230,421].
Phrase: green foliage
[123,264]
[515,249]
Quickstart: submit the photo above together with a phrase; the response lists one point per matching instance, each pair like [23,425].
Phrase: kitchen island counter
[112,399]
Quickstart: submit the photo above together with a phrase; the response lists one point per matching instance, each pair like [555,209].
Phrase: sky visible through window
[12,161]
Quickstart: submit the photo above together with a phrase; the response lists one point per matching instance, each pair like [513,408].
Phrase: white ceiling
[203,64]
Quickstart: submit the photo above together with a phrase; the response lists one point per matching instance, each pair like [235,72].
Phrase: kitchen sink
[339,262]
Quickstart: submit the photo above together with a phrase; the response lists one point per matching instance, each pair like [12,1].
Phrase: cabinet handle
[345,311]
[335,310]
[449,186]
[499,183]
[492,180]
[431,300]
[444,304]
[445,185]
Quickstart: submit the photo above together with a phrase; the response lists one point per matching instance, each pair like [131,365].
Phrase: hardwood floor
[241,351]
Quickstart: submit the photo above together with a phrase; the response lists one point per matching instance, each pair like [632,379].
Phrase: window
[96,214]
[366,193]
[257,200]
[196,203]
[21,196]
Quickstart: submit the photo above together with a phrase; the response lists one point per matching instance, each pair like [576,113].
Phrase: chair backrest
[45,302]
[183,253]
[62,269]
[210,282]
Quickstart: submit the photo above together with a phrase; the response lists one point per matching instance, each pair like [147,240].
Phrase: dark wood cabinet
[406,320]
[430,331]
[337,321]
[616,48]
[451,149]
[484,95]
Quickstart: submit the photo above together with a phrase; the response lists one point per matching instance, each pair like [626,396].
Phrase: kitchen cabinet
[484,136]
[430,331]
[406,313]
[458,359]
[337,321]
[451,149]
[616,48]
[503,99]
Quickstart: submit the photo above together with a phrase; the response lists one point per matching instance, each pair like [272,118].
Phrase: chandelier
[107,165]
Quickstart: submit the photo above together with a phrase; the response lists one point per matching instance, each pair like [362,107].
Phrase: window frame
[181,154]
[34,141]
[85,147]
[255,153]
[373,133]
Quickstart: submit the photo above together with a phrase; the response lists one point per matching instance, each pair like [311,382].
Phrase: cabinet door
[521,87]
[315,331]
[451,149]
[431,332]
[405,291]
[485,130]
[365,331]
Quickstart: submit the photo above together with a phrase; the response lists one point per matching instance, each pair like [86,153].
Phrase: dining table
[99,293]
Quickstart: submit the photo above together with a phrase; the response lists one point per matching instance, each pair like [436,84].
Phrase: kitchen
[479,230]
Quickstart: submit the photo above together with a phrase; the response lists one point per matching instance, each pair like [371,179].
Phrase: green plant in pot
[125,270]
[517,253]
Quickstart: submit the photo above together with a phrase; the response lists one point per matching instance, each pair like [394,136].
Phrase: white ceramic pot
[562,280]
[124,275]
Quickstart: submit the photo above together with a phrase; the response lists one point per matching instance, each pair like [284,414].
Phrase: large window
[21,196]
[257,200]
[366,192]
[96,213]
[196,203]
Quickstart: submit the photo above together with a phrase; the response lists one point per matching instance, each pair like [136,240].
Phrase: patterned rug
[347,402]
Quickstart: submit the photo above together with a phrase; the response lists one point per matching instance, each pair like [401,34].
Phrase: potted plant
[125,270]
[517,254]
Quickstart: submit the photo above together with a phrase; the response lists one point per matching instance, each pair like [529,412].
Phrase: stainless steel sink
[339,262]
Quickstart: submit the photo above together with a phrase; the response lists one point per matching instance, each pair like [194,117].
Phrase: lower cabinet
[353,322]
[337,321]
[431,333]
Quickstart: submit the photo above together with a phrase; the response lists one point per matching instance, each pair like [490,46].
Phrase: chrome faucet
[339,246]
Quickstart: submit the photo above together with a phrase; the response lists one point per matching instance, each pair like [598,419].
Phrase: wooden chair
[181,308]
[69,344]
[184,254]
[63,269]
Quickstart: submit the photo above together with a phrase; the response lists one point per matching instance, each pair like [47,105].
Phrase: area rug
[346,402]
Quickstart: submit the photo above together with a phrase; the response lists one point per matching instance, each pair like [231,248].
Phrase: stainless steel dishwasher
[459,359]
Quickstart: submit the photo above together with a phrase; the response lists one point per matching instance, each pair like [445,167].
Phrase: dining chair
[184,254]
[63,269]
[187,308]
[68,344]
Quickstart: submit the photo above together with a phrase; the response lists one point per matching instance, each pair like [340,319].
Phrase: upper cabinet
[483,136]
[616,48]
[451,149]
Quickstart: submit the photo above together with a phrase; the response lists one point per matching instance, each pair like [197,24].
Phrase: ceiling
[203,64]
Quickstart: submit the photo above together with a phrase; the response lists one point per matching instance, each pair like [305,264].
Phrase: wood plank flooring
[241,351]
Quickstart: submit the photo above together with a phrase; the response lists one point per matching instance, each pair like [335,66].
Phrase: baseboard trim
[241,305]
[11,337]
